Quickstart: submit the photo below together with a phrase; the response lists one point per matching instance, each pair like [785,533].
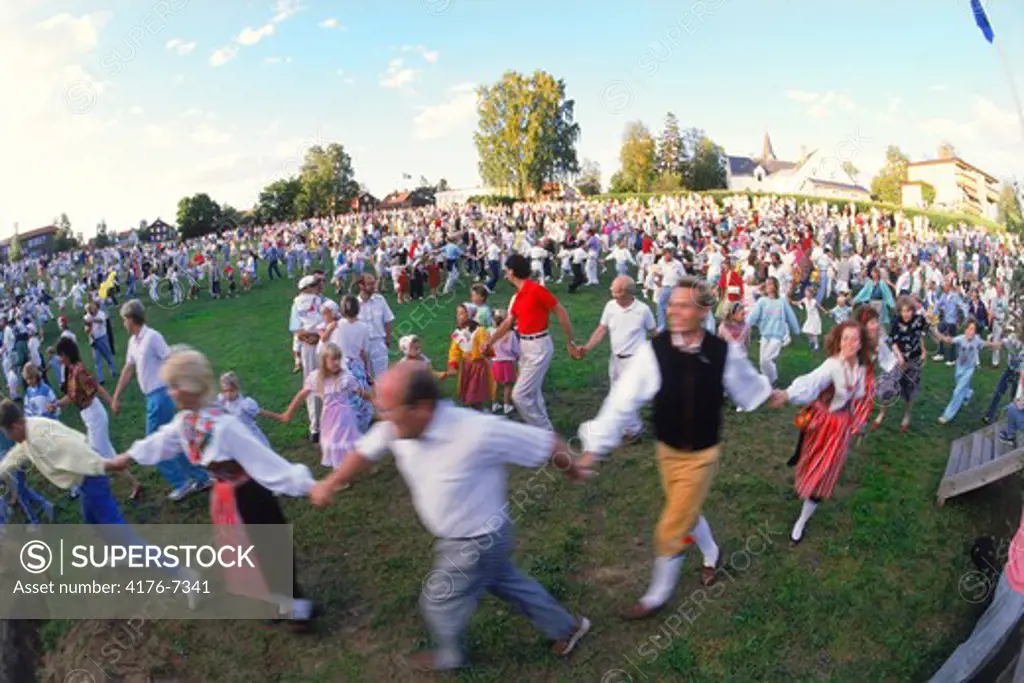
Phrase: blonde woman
[247,475]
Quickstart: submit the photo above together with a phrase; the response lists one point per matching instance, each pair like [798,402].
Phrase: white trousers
[996,335]
[528,394]
[591,271]
[97,429]
[770,350]
[310,363]
[378,356]
[616,368]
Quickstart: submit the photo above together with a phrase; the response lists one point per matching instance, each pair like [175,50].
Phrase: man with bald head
[454,462]
[629,323]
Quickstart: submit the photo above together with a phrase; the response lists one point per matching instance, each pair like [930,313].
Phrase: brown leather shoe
[638,612]
[707,576]
[563,647]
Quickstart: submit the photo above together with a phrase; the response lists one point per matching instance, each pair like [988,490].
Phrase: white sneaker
[938,357]
[182,491]
[496,408]
[508,408]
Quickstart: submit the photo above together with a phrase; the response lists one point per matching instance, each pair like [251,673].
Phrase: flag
[406,176]
[982,20]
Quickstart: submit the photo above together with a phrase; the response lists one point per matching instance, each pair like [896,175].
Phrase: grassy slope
[871,594]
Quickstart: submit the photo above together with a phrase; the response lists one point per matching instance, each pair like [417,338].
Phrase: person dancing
[837,400]
[685,372]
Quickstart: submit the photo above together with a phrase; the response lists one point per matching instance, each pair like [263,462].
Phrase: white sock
[663,580]
[805,514]
[706,542]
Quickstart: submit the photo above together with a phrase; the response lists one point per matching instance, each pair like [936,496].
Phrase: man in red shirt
[529,312]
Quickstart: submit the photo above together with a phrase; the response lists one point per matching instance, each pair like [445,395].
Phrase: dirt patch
[124,651]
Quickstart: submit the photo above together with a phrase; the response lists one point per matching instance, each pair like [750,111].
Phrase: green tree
[887,185]
[526,133]
[927,194]
[637,158]
[1009,207]
[103,238]
[442,186]
[64,239]
[277,201]
[670,147]
[230,218]
[197,215]
[327,181]
[850,170]
[14,251]
[668,182]
[706,167]
[589,182]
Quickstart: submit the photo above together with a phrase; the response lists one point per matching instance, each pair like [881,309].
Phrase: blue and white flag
[982,20]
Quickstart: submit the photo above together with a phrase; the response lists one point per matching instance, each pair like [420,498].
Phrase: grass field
[870,595]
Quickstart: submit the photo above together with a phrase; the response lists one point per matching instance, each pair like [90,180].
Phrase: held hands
[575,352]
[778,398]
[115,405]
[320,494]
[118,464]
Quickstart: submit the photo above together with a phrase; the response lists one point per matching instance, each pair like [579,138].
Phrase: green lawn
[870,595]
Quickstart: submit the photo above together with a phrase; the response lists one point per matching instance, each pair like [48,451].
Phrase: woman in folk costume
[838,397]
[466,359]
[247,472]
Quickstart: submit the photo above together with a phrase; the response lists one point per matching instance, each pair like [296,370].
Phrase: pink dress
[339,428]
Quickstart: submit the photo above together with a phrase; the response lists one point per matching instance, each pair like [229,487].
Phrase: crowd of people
[693,282]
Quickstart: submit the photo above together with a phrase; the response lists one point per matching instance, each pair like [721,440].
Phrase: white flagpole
[1013,86]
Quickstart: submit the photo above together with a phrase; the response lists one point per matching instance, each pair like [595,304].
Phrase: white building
[450,198]
[959,186]
[815,174]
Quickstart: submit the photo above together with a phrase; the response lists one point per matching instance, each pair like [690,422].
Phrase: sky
[115,109]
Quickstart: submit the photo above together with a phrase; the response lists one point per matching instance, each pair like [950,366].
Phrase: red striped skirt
[826,441]
[230,531]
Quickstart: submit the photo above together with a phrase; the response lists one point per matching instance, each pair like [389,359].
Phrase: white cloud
[83,31]
[330,23]
[277,60]
[285,9]
[429,56]
[192,111]
[206,134]
[135,111]
[178,79]
[159,137]
[222,56]
[250,36]
[824,104]
[439,120]
[398,76]
[937,88]
[180,46]
[347,80]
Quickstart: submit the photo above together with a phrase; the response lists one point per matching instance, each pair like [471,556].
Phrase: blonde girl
[340,418]
[504,364]
[232,401]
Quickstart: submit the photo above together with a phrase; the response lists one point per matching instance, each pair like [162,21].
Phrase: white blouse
[229,441]
[747,388]
[847,381]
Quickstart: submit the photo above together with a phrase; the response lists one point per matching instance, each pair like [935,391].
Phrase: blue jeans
[28,499]
[663,296]
[962,392]
[947,350]
[822,288]
[101,352]
[1014,421]
[98,504]
[1006,381]
[178,470]
[466,568]
[495,268]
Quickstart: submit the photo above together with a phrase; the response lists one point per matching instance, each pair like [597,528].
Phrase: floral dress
[339,426]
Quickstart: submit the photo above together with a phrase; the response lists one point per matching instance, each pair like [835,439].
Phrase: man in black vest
[686,372]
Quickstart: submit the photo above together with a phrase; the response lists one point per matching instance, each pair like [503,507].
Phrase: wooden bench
[978,459]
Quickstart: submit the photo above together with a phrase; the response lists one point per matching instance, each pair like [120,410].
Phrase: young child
[466,359]
[40,401]
[13,380]
[968,346]
[812,326]
[229,277]
[339,420]
[245,408]
[503,365]
[478,296]
[412,350]
[733,328]
[841,312]
[55,368]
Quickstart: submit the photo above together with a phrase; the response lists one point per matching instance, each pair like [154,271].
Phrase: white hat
[307,281]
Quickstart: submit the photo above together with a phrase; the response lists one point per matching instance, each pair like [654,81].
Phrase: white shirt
[847,382]
[456,470]
[671,273]
[376,313]
[97,325]
[627,327]
[147,351]
[353,338]
[745,386]
[231,440]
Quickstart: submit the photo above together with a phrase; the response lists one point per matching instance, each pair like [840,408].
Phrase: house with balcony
[959,186]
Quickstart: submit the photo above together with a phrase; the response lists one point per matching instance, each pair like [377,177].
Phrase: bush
[492,200]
